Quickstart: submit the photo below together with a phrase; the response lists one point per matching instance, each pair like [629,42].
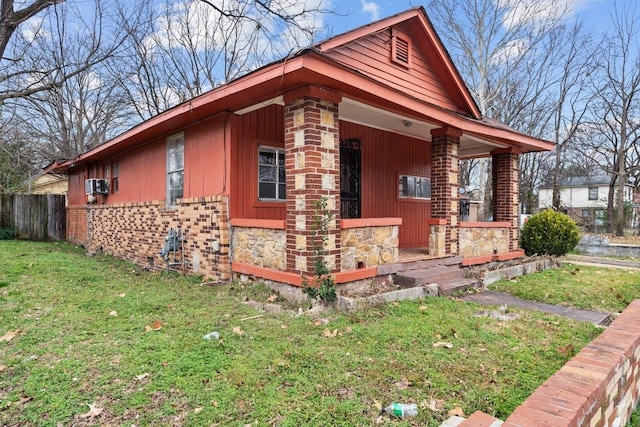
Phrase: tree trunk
[611,205]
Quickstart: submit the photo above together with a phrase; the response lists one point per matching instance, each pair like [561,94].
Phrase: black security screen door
[350,178]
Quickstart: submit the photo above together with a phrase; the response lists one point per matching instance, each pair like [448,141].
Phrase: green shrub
[8,233]
[324,288]
[549,233]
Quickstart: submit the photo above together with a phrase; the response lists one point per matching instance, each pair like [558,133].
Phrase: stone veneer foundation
[201,221]
[261,247]
[486,239]
[369,246]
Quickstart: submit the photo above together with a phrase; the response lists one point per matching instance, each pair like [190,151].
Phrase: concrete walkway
[603,261]
[501,299]
[595,317]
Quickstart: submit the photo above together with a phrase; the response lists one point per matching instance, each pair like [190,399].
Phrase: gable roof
[320,65]
[421,31]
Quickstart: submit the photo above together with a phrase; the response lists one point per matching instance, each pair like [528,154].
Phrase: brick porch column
[445,185]
[505,169]
[312,158]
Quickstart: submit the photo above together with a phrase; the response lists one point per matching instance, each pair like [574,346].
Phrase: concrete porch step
[418,265]
[411,278]
[449,287]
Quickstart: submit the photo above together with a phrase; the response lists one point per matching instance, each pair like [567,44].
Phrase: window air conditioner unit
[96,186]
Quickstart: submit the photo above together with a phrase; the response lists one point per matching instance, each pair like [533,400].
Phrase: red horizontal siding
[384,155]
[142,173]
[372,56]
[261,127]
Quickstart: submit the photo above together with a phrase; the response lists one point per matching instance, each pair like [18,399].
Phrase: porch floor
[414,254]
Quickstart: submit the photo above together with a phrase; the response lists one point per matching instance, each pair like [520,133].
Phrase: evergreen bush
[549,233]
[8,233]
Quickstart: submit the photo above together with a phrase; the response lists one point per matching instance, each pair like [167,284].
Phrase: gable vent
[401,50]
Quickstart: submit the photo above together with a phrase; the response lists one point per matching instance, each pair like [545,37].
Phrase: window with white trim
[271,174]
[414,187]
[175,169]
[593,193]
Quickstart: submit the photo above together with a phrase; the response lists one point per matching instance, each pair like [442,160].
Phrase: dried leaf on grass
[238,330]
[422,308]
[403,384]
[25,399]
[272,298]
[2,367]
[329,333]
[142,376]
[457,411]
[378,405]
[156,326]
[567,350]
[9,335]
[443,344]
[122,295]
[436,405]
[113,313]
[94,411]
[198,410]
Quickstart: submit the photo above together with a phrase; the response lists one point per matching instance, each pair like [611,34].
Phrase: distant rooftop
[581,181]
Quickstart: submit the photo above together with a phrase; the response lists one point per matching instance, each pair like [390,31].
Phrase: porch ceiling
[357,112]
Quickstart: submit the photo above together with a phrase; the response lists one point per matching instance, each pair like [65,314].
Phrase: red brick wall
[312,155]
[77,232]
[445,185]
[505,192]
[136,232]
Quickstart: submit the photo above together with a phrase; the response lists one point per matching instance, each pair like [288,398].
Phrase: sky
[356,13]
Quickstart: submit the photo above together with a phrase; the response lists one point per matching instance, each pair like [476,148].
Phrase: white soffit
[363,114]
[359,113]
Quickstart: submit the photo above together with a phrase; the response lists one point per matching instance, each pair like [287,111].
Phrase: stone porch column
[505,170]
[312,158]
[445,185]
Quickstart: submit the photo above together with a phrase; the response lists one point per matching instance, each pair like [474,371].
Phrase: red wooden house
[374,120]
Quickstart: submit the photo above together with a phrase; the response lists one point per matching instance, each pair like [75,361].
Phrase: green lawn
[608,289]
[96,331]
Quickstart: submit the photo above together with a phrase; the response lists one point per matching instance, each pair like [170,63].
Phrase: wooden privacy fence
[34,216]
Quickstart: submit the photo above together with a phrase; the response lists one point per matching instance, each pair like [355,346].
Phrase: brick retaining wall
[598,387]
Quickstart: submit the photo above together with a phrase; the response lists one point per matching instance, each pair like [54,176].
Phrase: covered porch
[318,125]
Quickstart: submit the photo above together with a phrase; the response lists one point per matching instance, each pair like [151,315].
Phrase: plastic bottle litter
[212,336]
[402,409]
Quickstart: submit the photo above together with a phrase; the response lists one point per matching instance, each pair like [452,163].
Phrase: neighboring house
[45,183]
[584,199]
[374,121]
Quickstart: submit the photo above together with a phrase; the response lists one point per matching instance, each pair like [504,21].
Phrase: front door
[350,178]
